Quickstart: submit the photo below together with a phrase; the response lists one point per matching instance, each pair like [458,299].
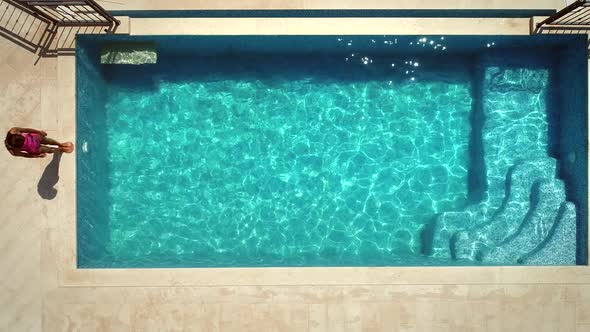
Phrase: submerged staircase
[524,217]
[534,219]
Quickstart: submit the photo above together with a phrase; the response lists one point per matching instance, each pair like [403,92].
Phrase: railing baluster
[571,17]
[82,12]
[95,15]
[15,21]
[582,18]
[10,16]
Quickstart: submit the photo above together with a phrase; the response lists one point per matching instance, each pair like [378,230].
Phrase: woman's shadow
[49,179]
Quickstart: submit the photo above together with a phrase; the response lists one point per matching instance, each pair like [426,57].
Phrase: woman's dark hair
[14,141]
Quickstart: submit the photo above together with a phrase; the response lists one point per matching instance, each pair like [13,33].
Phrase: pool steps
[535,212]
[547,196]
[524,216]
[520,205]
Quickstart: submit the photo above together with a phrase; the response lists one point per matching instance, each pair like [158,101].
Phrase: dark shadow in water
[427,236]
[534,198]
[507,191]
[476,174]
[49,179]
[568,133]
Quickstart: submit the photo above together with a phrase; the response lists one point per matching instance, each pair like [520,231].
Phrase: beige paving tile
[380,316]
[308,294]
[571,292]
[487,314]
[486,292]
[406,328]
[335,317]
[7,74]
[86,317]
[21,310]
[567,317]
[53,318]
[553,317]
[26,108]
[48,265]
[157,317]
[282,317]
[583,313]
[429,326]
[582,293]
[319,320]
[49,106]
[536,294]
[523,316]
[48,67]
[236,317]
[432,312]
[461,316]
[352,316]
[388,293]
[202,317]
[20,295]
[21,60]
[408,313]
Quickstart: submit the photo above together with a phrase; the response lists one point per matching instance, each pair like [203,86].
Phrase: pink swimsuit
[32,143]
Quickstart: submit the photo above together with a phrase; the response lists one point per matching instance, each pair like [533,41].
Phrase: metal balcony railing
[575,17]
[72,13]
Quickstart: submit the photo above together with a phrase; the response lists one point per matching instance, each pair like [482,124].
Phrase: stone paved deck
[37,293]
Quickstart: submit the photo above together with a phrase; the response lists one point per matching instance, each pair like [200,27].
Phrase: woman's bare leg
[50,141]
[49,149]
[66,147]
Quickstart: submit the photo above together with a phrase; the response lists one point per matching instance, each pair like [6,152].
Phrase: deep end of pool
[333,151]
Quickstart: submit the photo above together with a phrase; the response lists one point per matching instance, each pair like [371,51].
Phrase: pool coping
[323,13]
[328,26]
[65,243]
[331,5]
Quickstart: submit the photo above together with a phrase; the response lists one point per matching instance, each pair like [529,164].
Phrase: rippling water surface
[315,160]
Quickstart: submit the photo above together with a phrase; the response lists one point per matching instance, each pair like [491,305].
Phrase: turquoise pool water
[350,157]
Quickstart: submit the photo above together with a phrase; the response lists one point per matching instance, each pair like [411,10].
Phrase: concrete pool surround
[43,290]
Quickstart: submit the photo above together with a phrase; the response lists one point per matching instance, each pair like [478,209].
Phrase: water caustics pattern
[343,159]
[262,169]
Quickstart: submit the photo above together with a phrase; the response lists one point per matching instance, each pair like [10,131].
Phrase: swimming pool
[333,151]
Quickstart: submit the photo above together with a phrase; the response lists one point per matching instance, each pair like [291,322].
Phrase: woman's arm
[31,130]
[25,155]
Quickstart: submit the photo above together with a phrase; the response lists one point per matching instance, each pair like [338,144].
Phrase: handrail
[72,13]
[103,12]
[576,14]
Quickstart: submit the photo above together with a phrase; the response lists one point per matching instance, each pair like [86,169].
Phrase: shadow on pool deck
[37,34]
[49,179]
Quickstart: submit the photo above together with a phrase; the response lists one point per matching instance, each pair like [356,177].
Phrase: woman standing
[32,143]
